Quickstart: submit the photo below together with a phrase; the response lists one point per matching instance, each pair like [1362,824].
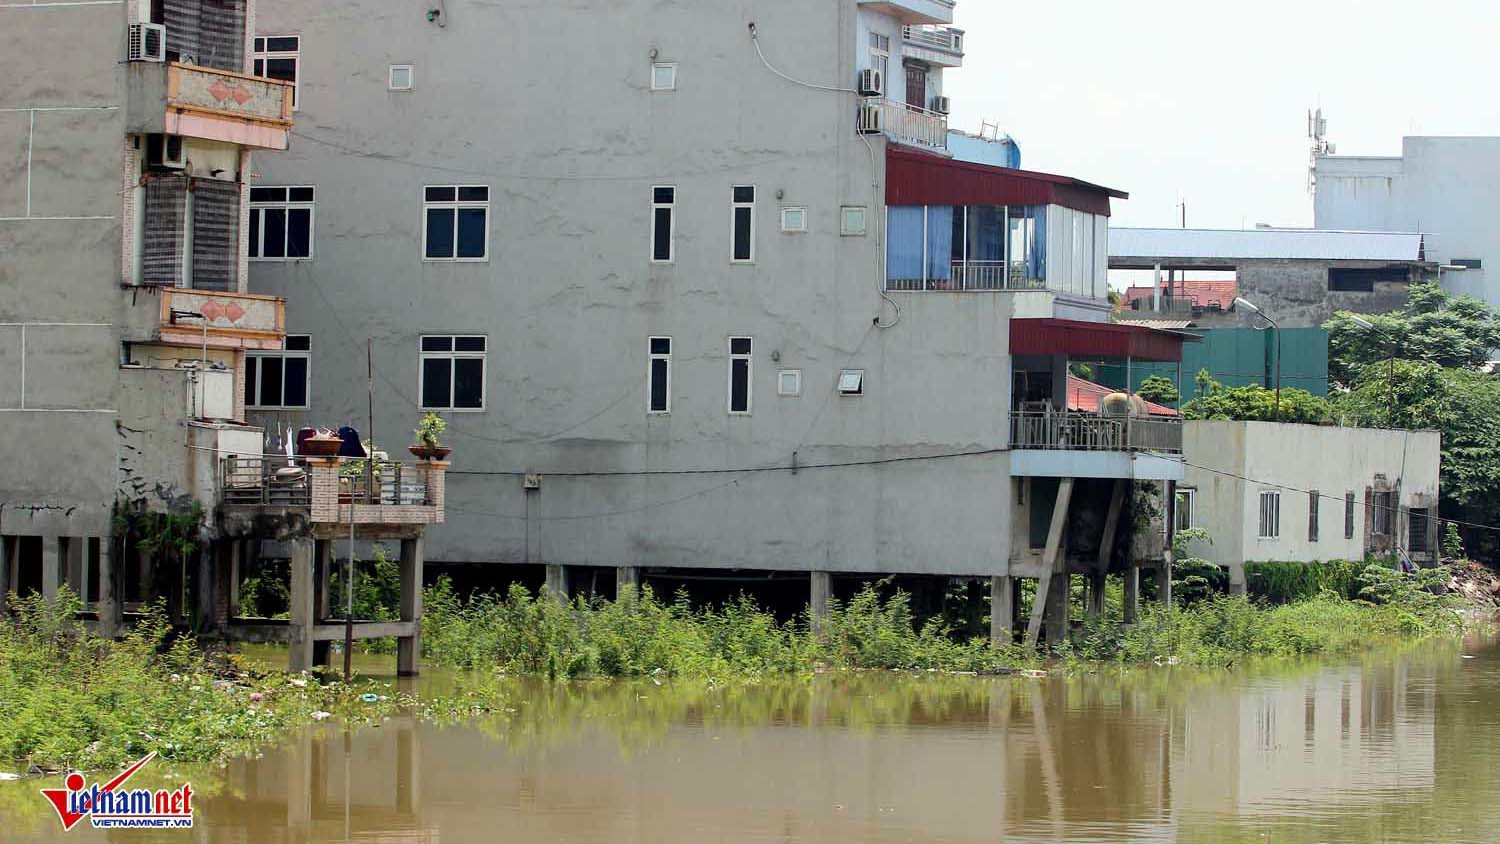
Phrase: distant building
[1267,491]
[1198,297]
[1446,188]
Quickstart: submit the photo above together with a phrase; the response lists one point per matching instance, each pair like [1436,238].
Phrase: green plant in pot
[428,431]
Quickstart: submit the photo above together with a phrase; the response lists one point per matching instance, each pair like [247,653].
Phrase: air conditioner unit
[940,105]
[871,83]
[870,120]
[166,151]
[213,394]
[147,43]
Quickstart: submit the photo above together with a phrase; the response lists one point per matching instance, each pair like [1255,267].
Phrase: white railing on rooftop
[1090,432]
[944,38]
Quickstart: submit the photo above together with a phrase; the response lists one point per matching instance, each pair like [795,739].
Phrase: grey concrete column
[409,648]
[1164,580]
[204,589]
[236,554]
[110,600]
[52,572]
[300,656]
[1238,585]
[322,580]
[77,566]
[821,590]
[9,554]
[627,578]
[1054,565]
[1097,581]
[1002,610]
[557,581]
[1059,608]
[1132,577]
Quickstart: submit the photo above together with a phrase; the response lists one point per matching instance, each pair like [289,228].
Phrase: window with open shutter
[161,252]
[216,226]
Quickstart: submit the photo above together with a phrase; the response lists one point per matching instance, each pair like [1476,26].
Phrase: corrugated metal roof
[1050,336]
[918,178]
[1158,324]
[1295,244]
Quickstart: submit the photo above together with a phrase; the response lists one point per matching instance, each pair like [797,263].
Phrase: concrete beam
[366,630]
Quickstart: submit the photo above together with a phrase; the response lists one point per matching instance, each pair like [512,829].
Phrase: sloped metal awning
[1076,338]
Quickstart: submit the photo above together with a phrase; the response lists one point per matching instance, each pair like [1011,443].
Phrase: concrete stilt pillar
[1164,580]
[76,566]
[1002,610]
[820,591]
[1054,568]
[205,588]
[109,602]
[145,584]
[627,578]
[1238,584]
[1059,608]
[1132,577]
[1097,581]
[52,555]
[409,648]
[557,581]
[323,577]
[235,556]
[9,555]
[300,656]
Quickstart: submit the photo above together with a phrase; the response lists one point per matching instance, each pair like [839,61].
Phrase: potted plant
[322,444]
[428,430]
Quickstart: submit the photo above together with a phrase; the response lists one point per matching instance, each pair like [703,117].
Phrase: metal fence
[1087,432]
[258,481]
[975,275]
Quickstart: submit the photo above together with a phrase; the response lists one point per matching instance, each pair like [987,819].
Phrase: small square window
[789,382]
[664,76]
[852,382]
[794,219]
[852,220]
[401,77]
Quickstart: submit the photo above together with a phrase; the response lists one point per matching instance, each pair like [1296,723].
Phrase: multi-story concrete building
[694,286]
[1447,188]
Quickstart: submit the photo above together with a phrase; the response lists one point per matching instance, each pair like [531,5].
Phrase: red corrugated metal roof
[919,178]
[1084,396]
[1092,340]
[1201,292]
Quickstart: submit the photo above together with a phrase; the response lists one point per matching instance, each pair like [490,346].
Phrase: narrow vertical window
[663,223]
[1270,514]
[742,225]
[1348,515]
[659,373]
[739,374]
[281,223]
[1312,515]
[279,57]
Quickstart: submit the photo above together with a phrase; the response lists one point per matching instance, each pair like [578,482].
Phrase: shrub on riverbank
[72,700]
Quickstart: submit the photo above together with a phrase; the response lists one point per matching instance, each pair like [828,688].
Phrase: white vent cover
[148,42]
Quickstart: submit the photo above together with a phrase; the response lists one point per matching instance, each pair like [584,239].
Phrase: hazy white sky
[1206,101]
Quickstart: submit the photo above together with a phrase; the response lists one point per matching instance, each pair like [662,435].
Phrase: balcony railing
[203,102]
[1088,432]
[975,275]
[912,125]
[262,482]
[941,45]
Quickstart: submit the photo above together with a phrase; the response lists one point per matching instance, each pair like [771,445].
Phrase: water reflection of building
[1341,736]
[325,785]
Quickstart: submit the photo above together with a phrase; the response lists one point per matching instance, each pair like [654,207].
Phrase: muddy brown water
[1398,747]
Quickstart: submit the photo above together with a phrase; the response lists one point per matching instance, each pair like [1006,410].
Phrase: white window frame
[411,77]
[282,355]
[1269,518]
[651,359]
[796,376]
[294,55]
[671,207]
[864,216]
[749,359]
[1191,494]
[452,355]
[667,66]
[851,382]
[793,209]
[456,205]
[734,208]
[880,58]
[285,205]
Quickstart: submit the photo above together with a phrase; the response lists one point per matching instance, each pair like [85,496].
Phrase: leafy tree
[1255,403]
[1081,370]
[1460,404]
[1159,389]
[1434,326]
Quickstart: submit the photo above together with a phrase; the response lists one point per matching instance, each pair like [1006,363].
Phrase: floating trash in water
[319,715]
[370,697]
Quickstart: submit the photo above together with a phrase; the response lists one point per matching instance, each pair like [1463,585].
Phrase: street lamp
[1362,323]
[1241,302]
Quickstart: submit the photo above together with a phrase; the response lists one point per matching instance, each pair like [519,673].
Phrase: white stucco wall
[1230,463]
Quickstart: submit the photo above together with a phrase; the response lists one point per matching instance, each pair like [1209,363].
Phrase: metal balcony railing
[1089,432]
[975,275]
[944,38]
[271,482]
[913,125]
